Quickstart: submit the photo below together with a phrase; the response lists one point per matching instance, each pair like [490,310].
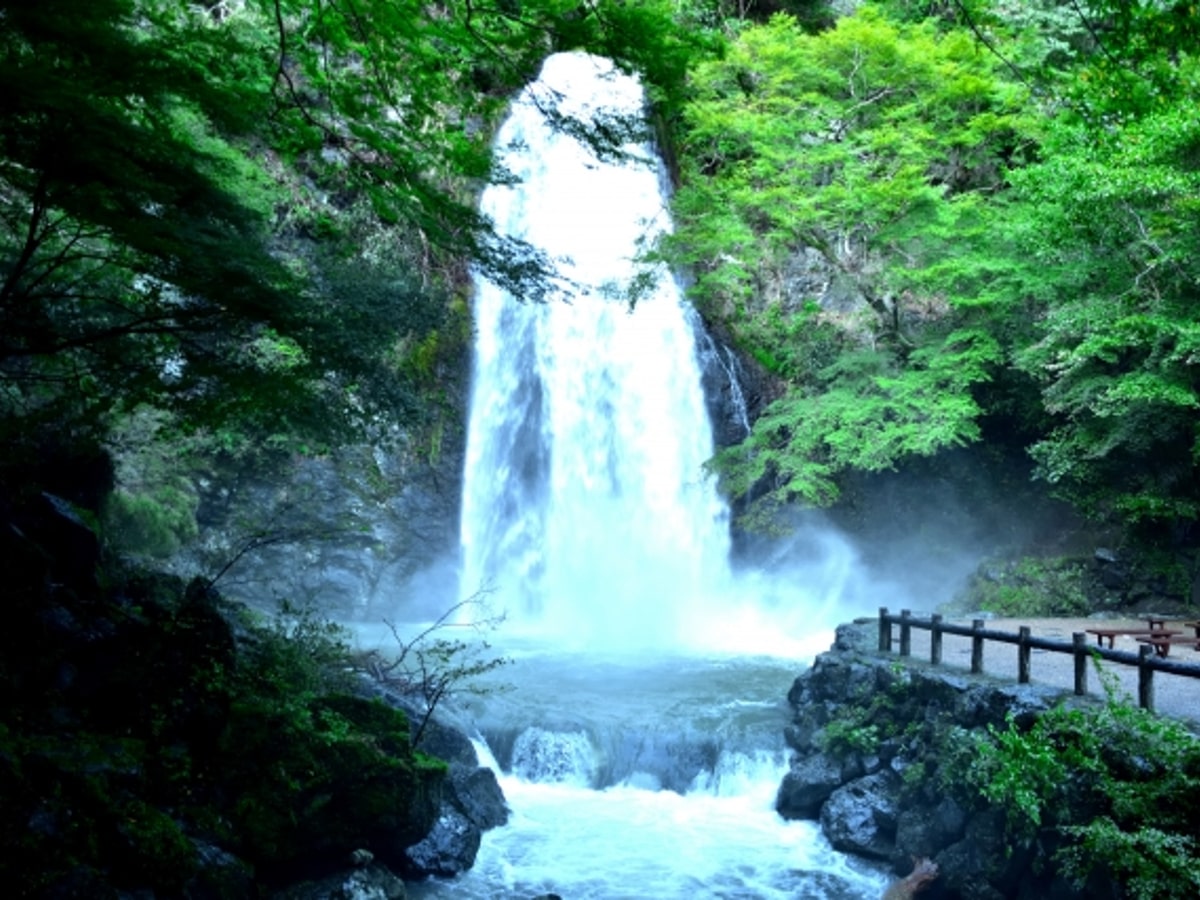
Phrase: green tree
[873,146]
[253,213]
[140,263]
[1109,216]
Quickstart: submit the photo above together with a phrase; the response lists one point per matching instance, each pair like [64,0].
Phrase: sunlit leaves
[868,414]
[868,146]
[1027,170]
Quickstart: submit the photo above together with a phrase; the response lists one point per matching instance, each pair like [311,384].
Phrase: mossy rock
[314,783]
[1028,587]
[76,811]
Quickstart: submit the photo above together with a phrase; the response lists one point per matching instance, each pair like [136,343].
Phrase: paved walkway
[1174,695]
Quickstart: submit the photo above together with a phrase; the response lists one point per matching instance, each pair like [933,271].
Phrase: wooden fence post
[885,631]
[1023,655]
[1080,652]
[935,639]
[977,647]
[905,632]
[1145,677]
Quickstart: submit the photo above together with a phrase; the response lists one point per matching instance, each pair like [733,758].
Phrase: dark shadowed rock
[219,874]
[472,800]
[984,705]
[370,882]
[448,850]
[809,783]
[861,817]
[476,793]
[924,828]
[888,800]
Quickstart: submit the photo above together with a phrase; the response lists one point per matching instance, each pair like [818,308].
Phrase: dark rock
[370,882]
[449,849]
[862,817]
[219,874]
[801,735]
[985,704]
[440,739]
[924,829]
[842,679]
[885,803]
[853,638]
[470,790]
[807,786]
[975,866]
[476,793]
[731,391]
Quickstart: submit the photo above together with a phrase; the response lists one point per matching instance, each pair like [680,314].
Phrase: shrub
[1119,785]
[1030,587]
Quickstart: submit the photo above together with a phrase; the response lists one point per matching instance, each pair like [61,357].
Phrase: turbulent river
[639,734]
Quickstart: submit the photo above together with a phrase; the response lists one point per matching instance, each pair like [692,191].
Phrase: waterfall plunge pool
[649,778]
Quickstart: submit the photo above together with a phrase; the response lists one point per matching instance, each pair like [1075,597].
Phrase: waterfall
[586,506]
[587,516]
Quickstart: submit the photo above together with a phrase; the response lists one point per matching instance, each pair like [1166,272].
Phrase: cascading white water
[586,506]
[587,513]
[588,517]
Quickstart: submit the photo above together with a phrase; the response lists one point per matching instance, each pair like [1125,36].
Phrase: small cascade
[630,780]
[722,364]
[554,757]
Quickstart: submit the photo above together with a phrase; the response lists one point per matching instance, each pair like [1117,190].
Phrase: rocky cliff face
[355,534]
[366,531]
[871,763]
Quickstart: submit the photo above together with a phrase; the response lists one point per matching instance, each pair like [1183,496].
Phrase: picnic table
[1161,642]
[1156,628]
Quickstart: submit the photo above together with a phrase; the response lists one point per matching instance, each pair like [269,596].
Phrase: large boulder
[862,817]
[370,882]
[449,849]
[811,781]
[922,829]
[865,733]
[471,800]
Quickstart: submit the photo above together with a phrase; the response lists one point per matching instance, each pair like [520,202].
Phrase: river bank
[1009,788]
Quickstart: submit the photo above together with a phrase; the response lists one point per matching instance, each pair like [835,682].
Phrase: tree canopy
[932,223]
[255,212]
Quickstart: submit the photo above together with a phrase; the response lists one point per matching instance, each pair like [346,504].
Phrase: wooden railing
[1145,660]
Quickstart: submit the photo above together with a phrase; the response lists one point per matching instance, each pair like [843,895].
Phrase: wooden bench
[1155,629]
[1162,642]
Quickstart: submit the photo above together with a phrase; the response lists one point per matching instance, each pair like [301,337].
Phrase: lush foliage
[934,222]
[1113,786]
[252,215]
[143,730]
[855,158]
[229,229]
[1033,587]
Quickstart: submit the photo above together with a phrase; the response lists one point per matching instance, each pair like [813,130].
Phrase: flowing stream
[640,740]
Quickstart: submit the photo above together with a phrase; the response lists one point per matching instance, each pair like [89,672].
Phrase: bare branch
[429,668]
